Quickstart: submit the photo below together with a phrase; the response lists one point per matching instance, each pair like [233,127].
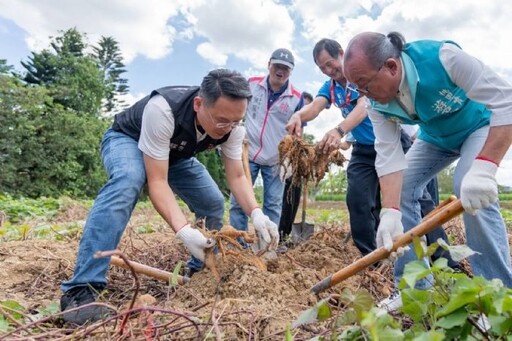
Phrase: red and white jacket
[266,127]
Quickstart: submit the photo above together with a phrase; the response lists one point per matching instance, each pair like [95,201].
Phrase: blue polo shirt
[346,102]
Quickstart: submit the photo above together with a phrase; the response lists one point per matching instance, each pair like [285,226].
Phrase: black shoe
[80,296]
[189,272]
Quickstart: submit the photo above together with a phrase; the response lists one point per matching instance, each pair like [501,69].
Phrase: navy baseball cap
[284,57]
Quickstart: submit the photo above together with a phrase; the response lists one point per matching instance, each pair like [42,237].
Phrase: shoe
[483,322]
[189,272]
[282,248]
[393,302]
[79,296]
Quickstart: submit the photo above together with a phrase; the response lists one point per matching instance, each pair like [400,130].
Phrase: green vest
[445,115]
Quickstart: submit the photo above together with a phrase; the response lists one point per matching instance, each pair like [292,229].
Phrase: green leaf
[14,306]
[432,335]
[175,274]
[415,303]
[288,333]
[390,334]
[4,325]
[456,318]
[415,271]
[312,314]
[459,252]
[420,247]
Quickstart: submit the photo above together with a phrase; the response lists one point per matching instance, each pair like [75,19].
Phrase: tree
[44,148]
[110,62]
[71,76]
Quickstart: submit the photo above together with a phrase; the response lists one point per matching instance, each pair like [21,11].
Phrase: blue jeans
[111,211]
[273,189]
[485,232]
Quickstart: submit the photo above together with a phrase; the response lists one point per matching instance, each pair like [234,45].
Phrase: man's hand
[265,228]
[479,188]
[294,126]
[390,227]
[194,241]
[331,141]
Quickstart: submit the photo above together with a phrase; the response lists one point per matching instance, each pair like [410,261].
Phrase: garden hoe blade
[302,231]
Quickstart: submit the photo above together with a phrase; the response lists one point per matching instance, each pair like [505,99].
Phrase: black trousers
[291,199]
[364,202]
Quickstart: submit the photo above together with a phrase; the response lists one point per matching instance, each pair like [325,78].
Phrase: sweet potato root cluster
[307,162]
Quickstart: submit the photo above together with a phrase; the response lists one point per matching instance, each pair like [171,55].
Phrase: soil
[247,303]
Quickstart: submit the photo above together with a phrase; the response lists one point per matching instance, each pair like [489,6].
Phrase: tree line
[53,115]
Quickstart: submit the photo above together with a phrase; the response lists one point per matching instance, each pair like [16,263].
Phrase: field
[38,253]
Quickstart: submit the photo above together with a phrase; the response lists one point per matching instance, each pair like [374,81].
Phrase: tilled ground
[246,303]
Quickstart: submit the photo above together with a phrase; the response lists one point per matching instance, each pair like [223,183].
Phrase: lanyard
[347,96]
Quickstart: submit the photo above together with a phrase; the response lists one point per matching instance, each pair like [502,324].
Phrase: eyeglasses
[223,125]
[365,90]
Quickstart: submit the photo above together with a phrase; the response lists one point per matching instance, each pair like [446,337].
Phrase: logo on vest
[284,107]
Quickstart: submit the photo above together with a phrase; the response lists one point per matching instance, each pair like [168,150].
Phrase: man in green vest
[464,111]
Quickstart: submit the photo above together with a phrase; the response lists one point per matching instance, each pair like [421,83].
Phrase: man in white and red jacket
[274,100]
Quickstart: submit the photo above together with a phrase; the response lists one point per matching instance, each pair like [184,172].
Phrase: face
[221,117]
[278,75]
[331,67]
[381,85]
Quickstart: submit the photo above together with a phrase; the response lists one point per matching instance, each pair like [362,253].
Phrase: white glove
[194,241]
[265,228]
[285,170]
[390,227]
[479,188]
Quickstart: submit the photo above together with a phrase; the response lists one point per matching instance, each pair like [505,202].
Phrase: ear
[341,52]
[393,65]
[198,101]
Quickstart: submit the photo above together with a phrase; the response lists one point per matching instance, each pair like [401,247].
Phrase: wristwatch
[340,131]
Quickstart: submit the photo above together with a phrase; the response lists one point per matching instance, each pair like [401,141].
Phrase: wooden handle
[304,200]
[447,212]
[245,161]
[148,270]
[445,202]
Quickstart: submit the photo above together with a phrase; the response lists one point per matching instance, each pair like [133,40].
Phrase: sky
[176,42]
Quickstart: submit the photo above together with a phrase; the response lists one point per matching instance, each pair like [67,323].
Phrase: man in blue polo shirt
[363,192]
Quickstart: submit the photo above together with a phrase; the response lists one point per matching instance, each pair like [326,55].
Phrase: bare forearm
[165,203]
[243,192]
[391,185]
[498,142]
[356,116]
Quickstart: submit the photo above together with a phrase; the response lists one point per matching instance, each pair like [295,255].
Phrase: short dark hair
[224,82]
[331,46]
[307,95]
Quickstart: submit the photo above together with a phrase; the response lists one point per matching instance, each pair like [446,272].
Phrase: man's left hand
[479,188]
[265,228]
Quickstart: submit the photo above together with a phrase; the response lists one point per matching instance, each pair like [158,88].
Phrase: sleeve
[480,83]
[232,148]
[157,129]
[325,91]
[390,156]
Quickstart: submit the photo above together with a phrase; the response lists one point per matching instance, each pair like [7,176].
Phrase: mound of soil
[246,301]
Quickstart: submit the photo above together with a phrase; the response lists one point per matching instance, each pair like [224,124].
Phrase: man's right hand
[194,241]
[294,126]
[390,227]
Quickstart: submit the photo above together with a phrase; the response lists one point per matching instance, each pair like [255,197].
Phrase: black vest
[183,142]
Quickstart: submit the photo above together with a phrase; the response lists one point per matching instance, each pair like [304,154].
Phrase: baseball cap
[282,56]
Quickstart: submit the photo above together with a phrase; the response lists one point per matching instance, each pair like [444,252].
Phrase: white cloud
[140,27]
[247,29]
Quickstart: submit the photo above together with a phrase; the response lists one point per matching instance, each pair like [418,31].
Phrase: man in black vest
[155,141]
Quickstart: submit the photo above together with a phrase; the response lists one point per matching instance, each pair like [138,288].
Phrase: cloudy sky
[166,42]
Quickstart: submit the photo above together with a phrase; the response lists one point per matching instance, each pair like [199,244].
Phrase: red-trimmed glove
[194,241]
[390,227]
[479,188]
